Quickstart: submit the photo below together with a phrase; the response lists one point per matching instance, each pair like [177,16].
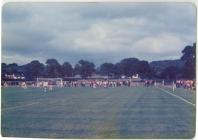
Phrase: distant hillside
[159,66]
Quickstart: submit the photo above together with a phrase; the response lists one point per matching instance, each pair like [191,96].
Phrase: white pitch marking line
[177,96]
[20,106]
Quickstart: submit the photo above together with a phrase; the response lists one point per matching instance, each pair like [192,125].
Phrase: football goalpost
[41,82]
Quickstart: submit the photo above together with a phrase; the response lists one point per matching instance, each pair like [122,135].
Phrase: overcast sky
[98,32]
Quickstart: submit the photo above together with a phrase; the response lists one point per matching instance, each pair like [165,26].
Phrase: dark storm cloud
[99,32]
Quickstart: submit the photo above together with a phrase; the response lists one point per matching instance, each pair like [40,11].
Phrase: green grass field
[123,112]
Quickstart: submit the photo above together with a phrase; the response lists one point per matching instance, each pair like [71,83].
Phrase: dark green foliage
[3,70]
[129,66]
[77,69]
[107,69]
[12,68]
[189,56]
[171,72]
[189,52]
[67,69]
[53,68]
[85,68]
[189,70]
[144,69]
[34,69]
[161,65]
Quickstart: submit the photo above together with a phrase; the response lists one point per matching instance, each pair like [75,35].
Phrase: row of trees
[188,71]
[127,67]
[189,56]
[84,68]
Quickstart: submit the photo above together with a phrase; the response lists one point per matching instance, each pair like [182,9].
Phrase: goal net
[57,82]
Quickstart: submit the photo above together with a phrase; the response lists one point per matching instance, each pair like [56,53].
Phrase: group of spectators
[188,84]
[101,83]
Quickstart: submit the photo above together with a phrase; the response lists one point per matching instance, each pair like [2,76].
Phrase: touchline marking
[20,106]
[177,96]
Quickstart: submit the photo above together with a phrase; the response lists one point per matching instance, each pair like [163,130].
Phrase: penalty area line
[176,96]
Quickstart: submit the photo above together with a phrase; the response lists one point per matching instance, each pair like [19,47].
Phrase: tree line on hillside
[128,67]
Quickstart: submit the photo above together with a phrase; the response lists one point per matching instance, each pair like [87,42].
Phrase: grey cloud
[13,12]
[99,32]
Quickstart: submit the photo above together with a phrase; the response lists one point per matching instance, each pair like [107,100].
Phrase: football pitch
[122,112]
